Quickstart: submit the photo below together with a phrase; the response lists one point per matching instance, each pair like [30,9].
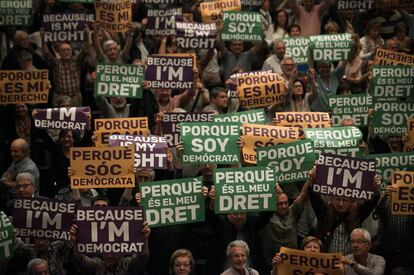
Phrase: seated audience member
[38,267]
[237,254]
[182,262]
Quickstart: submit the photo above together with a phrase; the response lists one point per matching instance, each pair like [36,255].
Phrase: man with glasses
[361,261]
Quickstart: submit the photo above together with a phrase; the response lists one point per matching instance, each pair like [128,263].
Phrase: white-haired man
[38,266]
[237,253]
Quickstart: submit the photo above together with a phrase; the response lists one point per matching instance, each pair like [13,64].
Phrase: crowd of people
[36,162]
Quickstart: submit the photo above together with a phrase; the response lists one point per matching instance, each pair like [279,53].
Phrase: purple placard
[150,151]
[173,71]
[192,35]
[66,26]
[74,118]
[171,124]
[342,176]
[42,218]
[109,230]
[162,22]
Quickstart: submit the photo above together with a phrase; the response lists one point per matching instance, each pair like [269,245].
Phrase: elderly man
[38,267]
[273,62]
[218,101]
[361,261]
[25,185]
[237,253]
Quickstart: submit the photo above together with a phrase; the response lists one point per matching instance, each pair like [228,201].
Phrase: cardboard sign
[172,71]
[292,161]
[16,12]
[114,16]
[42,218]
[343,141]
[172,202]
[66,26]
[254,117]
[241,26]
[355,5]
[261,90]
[409,145]
[24,86]
[232,84]
[344,177]
[210,142]
[109,230]
[162,22]
[256,135]
[102,167]
[391,82]
[301,262]
[402,201]
[297,48]
[104,128]
[355,107]
[195,35]
[211,11]
[331,47]
[302,119]
[388,57]
[246,189]
[6,237]
[124,80]
[150,151]
[390,118]
[171,124]
[73,118]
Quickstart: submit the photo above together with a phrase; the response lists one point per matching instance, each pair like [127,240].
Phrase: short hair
[364,232]
[181,253]
[34,262]
[18,33]
[294,26]
[62,99]
[345,119]
[24,145]
[371,25]
[108,43]
[286,58]
[99,198]
[331,24]
[237,243]
[24,56]
[26,175]
[309,239]
[216,90]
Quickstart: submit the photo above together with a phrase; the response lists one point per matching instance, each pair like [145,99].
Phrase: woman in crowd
[279,26]
[182,262]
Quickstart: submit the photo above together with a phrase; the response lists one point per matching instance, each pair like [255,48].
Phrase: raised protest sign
[261,90]
[24,86]
[257,116]
[386,163]
[102,167]
[66,26]
[256,135]
[232,84]
[409,145]
[192,35]
[162,22]
[171,124]
[104,128]
[292,161]
[388,57]
[355,5]
[297,48]
[402,201]
[342,141]
[73,118]
[42,218]
[302,262]
[347,177]
[241,26]
[16,12]
[119,80]
[331,47]
[211,11]
[172,71]
[6,237]
[391,82]
[109,230]
[302,119]
[390,118]
[353,107]
[171,202]
[114,16]
[244,189]
[210,142]
[150,151]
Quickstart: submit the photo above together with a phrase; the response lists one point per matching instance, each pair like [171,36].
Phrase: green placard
[16,12]
[297,47]
[171,202]
[241,26]
[343,141]
[124,80]
[257,116]
[292,160]
[386,163]
[331,47]
[210,142]
[390,118]
[392,82]
[6,237]
[246,189]
[355,107]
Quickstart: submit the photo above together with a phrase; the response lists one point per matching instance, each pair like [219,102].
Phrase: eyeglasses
[358,241]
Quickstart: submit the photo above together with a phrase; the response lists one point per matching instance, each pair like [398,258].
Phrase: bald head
[19,149]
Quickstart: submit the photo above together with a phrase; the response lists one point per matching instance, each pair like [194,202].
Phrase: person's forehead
[183,258]
[24,180]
